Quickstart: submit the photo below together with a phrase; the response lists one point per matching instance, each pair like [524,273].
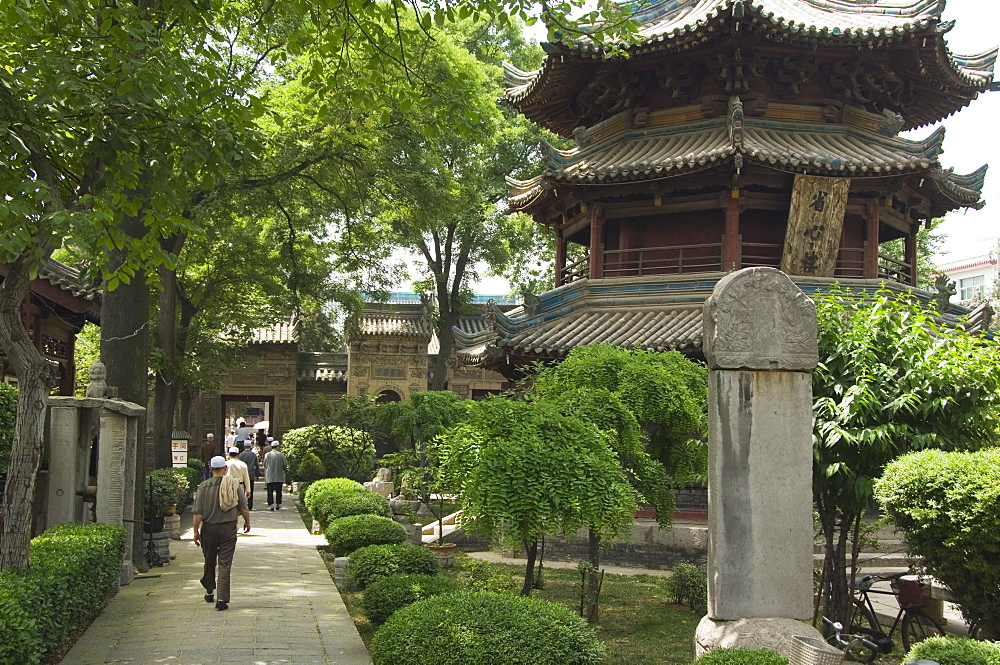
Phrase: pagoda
[735,133]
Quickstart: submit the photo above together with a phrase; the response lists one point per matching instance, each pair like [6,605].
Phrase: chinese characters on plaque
[815,220]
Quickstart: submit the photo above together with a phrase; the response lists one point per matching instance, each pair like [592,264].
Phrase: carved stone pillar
[760,342]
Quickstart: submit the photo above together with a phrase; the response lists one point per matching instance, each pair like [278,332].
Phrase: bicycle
[911,596]
[859,648]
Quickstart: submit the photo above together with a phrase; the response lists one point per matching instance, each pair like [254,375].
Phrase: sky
[972,139]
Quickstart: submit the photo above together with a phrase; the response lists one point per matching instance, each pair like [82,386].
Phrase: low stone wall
[645,546]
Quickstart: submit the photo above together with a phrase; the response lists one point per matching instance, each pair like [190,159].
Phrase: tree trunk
[593,590]
[836,585]
[531,551]
[125,352]
[166,386]
[36,377]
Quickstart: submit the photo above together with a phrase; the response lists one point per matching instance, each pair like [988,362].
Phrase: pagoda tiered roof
[616,151]
[656,313]
[918,75]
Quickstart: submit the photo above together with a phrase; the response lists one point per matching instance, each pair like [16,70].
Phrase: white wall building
[975,277]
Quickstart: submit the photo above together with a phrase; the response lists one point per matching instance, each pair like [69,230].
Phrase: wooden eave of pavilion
[617,152]
[918,76]
[657,313]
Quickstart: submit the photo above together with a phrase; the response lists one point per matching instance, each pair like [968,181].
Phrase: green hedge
[72,567]
[948,507]
[332,498]
[385,596]
[956,651]
[742,657]
[347,534]
[484,627]
[374,562]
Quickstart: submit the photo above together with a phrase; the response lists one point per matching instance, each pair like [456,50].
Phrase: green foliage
[666,393]
[955,651]
[73,566]
[948,506]
[742,657]
[689,585]
[385,596]
[192,475]
[346,452]
[375,562]
[487,576]
[310,469]
[86,350]
[523,469]
[332,498]
[484,627]
[170,488]
[347,534]
[889,381]
[8,415]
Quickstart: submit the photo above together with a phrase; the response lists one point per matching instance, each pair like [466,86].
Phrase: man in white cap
[217,503]
[208,450]
[237,468]
[275,466]
[249,457]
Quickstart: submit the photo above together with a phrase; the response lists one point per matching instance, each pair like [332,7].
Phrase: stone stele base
[774,634]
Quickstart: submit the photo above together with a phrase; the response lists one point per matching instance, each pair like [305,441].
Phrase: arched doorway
[387,396]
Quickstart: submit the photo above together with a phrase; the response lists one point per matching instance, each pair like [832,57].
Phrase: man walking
[275,466]
[238,469]
[216,505]
[249,457]
[207,451]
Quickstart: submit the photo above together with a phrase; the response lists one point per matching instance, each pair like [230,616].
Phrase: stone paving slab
[285,608]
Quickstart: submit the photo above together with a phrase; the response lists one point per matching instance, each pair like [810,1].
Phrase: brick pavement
[284,607]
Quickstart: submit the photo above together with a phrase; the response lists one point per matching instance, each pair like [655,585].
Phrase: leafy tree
[344,452]
[890,380]
[929,241]
[415,423]
[86,350]
[611,388]
[948,506]
[524,469]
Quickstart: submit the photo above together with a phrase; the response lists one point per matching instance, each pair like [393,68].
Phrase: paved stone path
[284,608]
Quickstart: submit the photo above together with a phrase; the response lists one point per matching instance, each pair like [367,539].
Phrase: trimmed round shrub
[485,627]
[327,502]
[347,534]
[955,651]
[374,562]
[385,596]
[742,657]
[310,468]
[487,576]
[320,488]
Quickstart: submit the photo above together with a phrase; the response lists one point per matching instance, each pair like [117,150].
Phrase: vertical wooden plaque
[815,221]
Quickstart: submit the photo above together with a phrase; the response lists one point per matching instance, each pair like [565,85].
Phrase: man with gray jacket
[249,457]
[275,466]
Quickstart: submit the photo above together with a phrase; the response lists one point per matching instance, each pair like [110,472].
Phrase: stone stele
[761,347]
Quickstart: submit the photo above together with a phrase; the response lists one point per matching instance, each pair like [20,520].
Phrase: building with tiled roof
[58,306]
[737,133]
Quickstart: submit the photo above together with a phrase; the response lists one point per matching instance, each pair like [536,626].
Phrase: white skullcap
[218,462]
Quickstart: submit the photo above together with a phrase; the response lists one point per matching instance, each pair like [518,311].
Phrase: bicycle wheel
[863,621]
[918,626]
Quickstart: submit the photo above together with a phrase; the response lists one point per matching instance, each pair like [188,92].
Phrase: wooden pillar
[560,258]
[628,239]
[911,255]
[871,241]
[596,242]
[731,256]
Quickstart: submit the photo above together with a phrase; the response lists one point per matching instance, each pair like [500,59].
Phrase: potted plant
[164,490]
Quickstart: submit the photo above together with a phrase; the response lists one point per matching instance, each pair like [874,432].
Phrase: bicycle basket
[809,651]
[909,593]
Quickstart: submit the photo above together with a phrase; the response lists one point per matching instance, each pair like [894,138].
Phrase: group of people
[226,493]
